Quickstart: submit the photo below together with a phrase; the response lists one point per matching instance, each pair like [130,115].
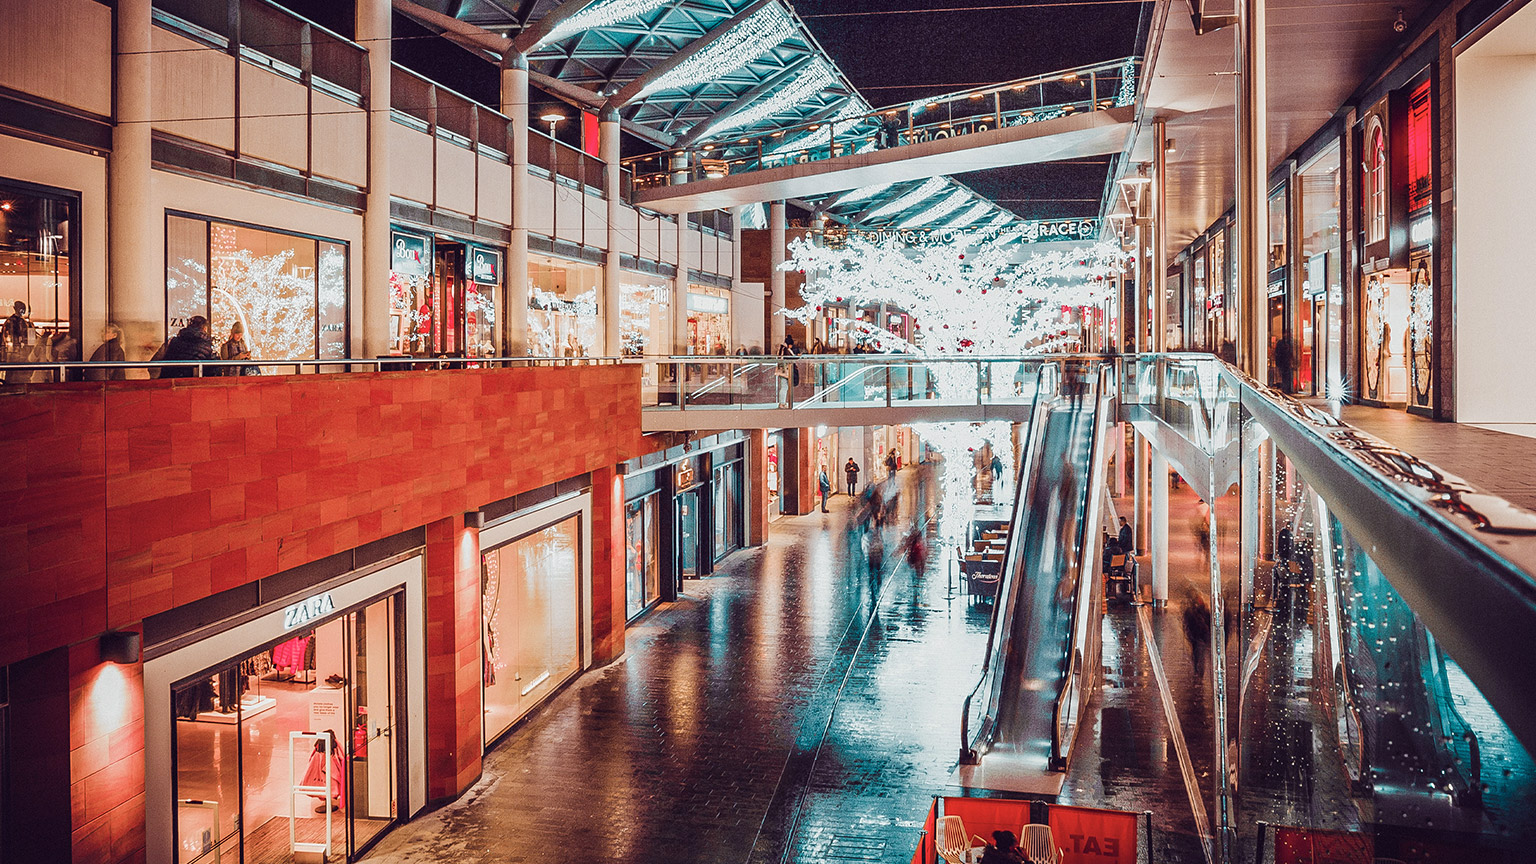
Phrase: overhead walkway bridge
[1383,647]
[1069,114]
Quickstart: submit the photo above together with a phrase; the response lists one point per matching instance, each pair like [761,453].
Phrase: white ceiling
[1319,52]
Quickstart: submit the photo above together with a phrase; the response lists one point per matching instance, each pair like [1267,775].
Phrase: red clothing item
[314,774]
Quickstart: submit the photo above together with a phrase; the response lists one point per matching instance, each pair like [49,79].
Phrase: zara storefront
[292,726]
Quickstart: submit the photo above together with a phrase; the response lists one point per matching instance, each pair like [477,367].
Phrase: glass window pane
[563,308]
[207,740]
[333,300]
[186,271]
[266,281]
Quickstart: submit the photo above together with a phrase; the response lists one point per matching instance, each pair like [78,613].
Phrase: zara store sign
[305,611]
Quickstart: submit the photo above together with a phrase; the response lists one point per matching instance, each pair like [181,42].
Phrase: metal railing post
[997,108]
[1093,91]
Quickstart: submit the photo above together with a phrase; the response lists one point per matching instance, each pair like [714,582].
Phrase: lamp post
[552,118]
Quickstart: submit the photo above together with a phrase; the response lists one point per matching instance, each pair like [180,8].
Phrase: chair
[1040,846]
[953,843]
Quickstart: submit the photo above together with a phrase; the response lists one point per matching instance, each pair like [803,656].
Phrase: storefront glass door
[688,535]
[316,710]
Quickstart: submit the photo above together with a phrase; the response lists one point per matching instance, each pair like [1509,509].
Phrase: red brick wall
[608,609]
[757,487]
[124,499]
[106,757]
[454,727]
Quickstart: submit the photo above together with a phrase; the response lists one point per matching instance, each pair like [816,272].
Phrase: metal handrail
[374,364]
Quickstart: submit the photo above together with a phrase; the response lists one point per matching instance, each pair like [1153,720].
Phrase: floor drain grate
[853,847]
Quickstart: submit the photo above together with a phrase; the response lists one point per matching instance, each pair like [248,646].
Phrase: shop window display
[320,704]
[644,312]
[443,298]
[288,291]
[709,320]
[563,308]
[532,625]
[37,270]
[642,560]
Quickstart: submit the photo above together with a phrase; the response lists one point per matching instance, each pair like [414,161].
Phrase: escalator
[1043,648]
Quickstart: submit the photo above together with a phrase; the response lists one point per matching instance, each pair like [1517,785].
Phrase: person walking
[825,485]
[851,471]
[192,342]
[891,463]
[1197,630]
[110,351]
[917,552]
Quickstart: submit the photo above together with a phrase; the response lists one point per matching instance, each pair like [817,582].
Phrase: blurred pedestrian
[916,549]
[109,351]
[890,463]
[851,471]
[1197,629]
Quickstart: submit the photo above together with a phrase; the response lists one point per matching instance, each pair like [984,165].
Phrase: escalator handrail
[1010,549]
[1088,560]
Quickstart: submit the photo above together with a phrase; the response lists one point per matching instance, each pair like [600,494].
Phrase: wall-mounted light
[119,646]
[474,519]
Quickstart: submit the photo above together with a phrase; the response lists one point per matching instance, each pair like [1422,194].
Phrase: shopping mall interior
[766,431]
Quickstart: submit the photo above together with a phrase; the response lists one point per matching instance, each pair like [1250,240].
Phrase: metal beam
[747,98]
[532,37]
[478,37]
[633,88]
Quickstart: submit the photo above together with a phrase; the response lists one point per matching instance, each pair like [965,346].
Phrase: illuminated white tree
[635,305]
[966,296]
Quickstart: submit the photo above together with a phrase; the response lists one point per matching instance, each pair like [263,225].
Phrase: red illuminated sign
[1421,149]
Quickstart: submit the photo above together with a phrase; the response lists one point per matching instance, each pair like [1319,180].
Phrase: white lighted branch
[739,46]
[604,13]
[931,187]
[954,201]
[863,193]
[807,84]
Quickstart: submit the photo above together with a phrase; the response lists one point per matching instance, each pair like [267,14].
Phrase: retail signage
[485,266]
[683,477]
[304,612]
[1037,231]
[1421,231]
[1091,836]
[708,304]
[1046,230]
[409,254]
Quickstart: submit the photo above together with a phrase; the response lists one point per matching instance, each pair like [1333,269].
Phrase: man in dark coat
[192,343]
[1127,545]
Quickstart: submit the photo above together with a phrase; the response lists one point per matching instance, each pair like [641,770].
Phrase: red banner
[982,816]
[1090,836]
[1312,846]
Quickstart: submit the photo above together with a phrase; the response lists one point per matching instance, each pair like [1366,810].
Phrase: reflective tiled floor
[767,712]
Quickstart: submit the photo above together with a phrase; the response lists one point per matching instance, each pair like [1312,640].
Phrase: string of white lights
[604,13]
[809,138]
[752,216]
[807,84]
[952,202]
[931,187]
[977,211]
[736,48]
[863,193]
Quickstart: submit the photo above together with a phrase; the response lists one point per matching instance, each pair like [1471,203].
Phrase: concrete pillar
[1252,190]
[1159,264]
[514,104]
[455,734]
[608,151]
[680,288]
[1142,505]
[1159,539]
[374,32]
[136,235]
[818,330]
[608,587]
[776,278]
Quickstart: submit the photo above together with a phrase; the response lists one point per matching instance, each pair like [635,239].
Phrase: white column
[680,287]
[514,104]
[608,151]
[776,278]
[1252,191]
[1159,540]
[1140,518]
[136,234]
[1159,265]
[374,32]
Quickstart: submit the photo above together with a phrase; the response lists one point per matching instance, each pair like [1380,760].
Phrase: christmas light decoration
[739,46]
[863,193]
[561,327]
[976,212]
[810,138]
[806,84]
[754,216]
[954,201]
[635,305]
[931,187]
[604,13]
[1127,83]
[969,298]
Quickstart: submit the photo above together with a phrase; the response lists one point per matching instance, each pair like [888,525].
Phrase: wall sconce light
[474,519]
[119,646]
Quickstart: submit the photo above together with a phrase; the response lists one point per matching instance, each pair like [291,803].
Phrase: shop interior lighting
[739,46]
[604,13]
[807,84]
[949,204]
[931,187]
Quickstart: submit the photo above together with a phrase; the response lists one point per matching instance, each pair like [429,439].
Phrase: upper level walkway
[1069,114]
